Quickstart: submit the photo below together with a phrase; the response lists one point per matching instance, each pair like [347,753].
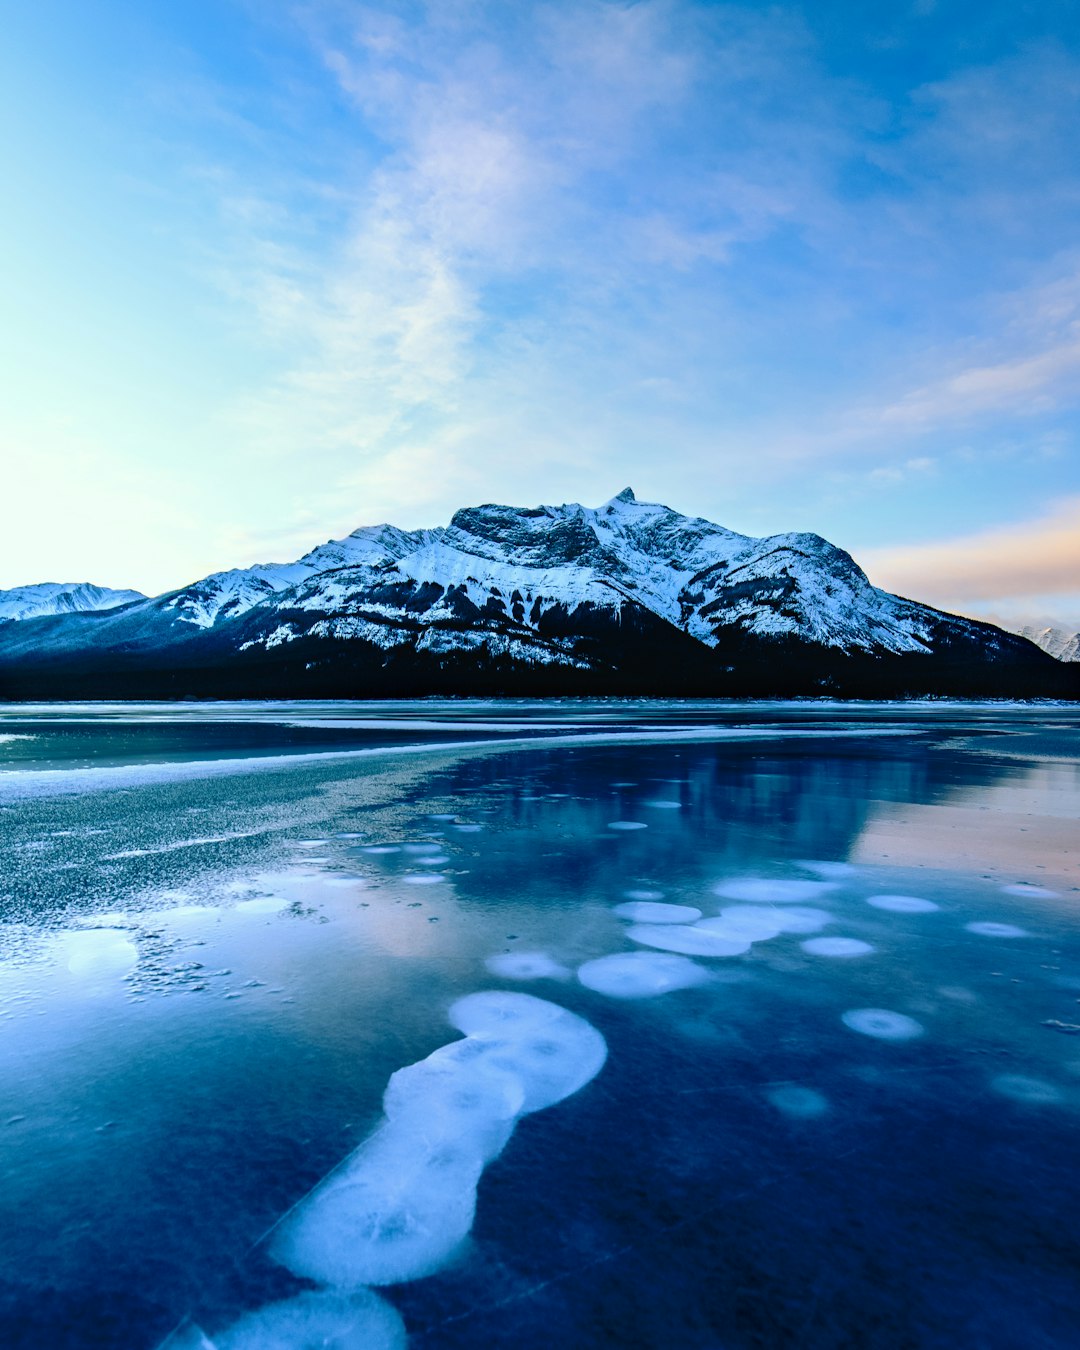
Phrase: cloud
[1029,559]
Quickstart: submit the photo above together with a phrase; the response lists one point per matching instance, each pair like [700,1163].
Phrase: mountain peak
[626,496]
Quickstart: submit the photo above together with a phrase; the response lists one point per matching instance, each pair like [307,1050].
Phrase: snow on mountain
[1060,643]
[68,597]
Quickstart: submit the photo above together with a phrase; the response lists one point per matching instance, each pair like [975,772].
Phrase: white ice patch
[423,847]
[433,859]
[1020,1088]
[627,825]
[640,974]
[769,890]
[690,940]
[830,871]
[400,1206]
[98,952]
[902,904]
[652,911]
[358,1321]
[664,805]
[1025,888]
[883,1024]
[526,966]
[749,924]
[380,849]
[423,879]
[801,1103]
[644,895]
[469,828]
[997,930]
[844,947]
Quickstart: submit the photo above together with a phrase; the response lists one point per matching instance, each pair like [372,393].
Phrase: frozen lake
[461,1024]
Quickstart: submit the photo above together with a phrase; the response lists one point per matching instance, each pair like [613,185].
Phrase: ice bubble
[1023,1089]
[999,930]
[663,805]
[526,966]
[801,1103]
[468,829]
[553,1052]
[310,843]
[689,940]
[380,849]
[836,946]
[644,895]
[883,1024]
[354,882]
[902,904]
[458,1097]
[1025,888]
[311,1321]
[801,918]
[441,815]
[767,890]
[744,922]
[640,974]
[652,911]
[627,825]
[434,859]
[398,1211]
[423,847]
[831,871]
[423,879]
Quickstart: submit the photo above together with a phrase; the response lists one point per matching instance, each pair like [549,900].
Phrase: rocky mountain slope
[1060,643]
[630,597]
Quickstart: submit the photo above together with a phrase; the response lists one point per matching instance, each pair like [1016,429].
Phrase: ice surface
[902,904]
[770,890]
[526,966]
[837,946]
[883,1024]
[640,974]
[650,911]
[999,930]
[319,1321]
[691,940]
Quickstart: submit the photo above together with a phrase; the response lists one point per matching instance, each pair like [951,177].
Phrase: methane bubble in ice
[883,1024]
[997,930]
[652,911]
[357,1321]
[836,946]
[800,918]
[769,890]
[399,1207]
[423,847]
[665,805]
[640,974]
[801,1103]
[627,825]
[1023,1089]
[902,904]
[381,848]
[526,966]
[752,925]
[689,940]
[831,871]
[643,895]
[552,1051]
[423,878]
[467,828]
[1024,888]
[433,859]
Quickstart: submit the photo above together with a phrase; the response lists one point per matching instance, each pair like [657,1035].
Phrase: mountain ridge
[625,597]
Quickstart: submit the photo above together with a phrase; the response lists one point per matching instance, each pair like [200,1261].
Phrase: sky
[273,271]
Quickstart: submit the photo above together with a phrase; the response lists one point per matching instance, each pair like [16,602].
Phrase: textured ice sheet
[640,974]
[653,911]
[773,890]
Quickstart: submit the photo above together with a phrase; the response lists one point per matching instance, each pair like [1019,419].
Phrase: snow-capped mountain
[65,597]
[627,597]
[1060,643]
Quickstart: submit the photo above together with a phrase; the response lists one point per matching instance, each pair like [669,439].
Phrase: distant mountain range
[629,598]
[1062,643]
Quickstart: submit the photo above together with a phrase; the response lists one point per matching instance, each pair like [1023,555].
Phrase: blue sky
[274,271]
